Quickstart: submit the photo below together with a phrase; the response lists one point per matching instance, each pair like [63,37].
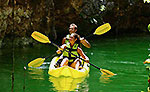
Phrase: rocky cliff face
[129,14]
[20,18]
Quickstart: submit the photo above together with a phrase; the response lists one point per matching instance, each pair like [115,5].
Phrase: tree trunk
[51,18]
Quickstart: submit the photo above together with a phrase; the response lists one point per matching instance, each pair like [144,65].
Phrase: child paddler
[72,47]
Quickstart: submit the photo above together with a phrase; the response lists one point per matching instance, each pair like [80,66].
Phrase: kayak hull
[67,71]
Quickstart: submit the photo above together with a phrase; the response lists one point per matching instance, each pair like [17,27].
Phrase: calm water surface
[123,56]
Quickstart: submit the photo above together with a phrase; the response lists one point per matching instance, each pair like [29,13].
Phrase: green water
[123,56]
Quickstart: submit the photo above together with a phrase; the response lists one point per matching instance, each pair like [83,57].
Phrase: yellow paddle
[37,62]
[44,39]
[99,31]
[102,29]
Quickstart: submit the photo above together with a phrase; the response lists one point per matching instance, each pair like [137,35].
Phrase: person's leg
[75,64]
[64,62]
[59,61]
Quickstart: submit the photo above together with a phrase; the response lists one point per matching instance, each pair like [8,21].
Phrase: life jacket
[70,50]
[67,40]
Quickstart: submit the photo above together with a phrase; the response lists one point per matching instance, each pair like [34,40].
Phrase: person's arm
[85,42]
[63,41]
[59,51]
[79,50]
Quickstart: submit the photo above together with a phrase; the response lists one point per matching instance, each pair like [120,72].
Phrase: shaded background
[19,18]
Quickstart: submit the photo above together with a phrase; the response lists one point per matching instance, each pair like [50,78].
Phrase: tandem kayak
[67,71]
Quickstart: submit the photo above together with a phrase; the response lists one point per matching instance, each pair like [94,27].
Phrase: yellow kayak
[67,71]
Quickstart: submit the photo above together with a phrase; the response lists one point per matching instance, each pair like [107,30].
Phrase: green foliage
[19,20]
[102,8]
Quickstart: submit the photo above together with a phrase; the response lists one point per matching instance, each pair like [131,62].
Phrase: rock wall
[20,18]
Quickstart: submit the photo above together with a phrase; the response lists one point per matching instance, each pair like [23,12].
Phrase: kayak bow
[67,71]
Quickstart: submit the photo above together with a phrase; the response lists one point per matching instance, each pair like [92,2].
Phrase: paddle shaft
[89,36]
[53,54]
[95,66]
[88,62]
[55,45]
[50,56]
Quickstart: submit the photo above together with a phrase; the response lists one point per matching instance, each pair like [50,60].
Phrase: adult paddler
[73,29]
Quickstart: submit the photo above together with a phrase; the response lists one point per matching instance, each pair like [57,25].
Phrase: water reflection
[60,84]
[105,78]
[36,73]
[63,84]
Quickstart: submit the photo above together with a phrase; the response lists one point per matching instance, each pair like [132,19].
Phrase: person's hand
[81,38]
[59,51]
[87,61]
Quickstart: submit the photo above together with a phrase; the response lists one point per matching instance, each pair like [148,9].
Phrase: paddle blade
[102,29]
[40,37]
[107,72]
[36,63]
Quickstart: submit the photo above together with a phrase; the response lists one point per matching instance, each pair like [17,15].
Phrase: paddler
[73,29]
[72,47]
